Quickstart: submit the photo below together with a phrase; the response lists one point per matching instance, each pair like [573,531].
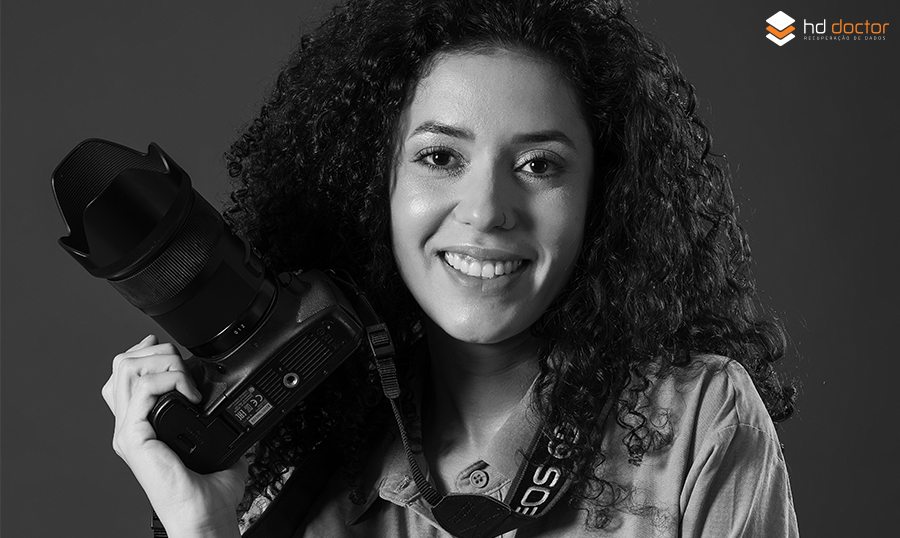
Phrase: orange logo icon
[780,28]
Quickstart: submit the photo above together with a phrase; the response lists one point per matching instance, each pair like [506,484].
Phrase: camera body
[260,343]
[308,332]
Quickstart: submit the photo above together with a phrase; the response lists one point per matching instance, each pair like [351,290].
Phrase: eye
[439,159]
[540,164]
[537,166]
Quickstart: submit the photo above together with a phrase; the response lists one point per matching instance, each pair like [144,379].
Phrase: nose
[486,199]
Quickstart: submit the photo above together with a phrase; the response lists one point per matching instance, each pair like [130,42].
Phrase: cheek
[416,209]
[401,224]
[563,228]
[406,212]
[414,218]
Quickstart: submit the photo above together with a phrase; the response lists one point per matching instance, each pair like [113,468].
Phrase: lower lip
[497,284]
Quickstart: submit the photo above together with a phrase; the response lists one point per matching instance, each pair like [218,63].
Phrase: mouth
[483,269]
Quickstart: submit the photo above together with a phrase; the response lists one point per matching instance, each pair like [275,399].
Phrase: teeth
[485,269]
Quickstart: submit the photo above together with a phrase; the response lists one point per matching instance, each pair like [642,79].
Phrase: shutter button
[479,478]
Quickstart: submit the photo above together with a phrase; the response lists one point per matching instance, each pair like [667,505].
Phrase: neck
[476,386]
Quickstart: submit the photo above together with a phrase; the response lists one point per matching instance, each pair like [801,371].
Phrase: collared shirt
[492,474]
[722,474]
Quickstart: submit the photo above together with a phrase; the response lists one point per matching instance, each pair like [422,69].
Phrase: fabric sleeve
[738,487]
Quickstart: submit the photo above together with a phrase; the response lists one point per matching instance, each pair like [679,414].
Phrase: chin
[480,332]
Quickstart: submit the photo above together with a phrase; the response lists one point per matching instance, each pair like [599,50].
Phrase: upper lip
[483,253]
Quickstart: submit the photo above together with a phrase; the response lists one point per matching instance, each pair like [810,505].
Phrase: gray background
[810,130]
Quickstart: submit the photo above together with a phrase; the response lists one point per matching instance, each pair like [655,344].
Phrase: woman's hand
[187,503]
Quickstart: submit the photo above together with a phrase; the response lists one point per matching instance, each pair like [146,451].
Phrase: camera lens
[135,220]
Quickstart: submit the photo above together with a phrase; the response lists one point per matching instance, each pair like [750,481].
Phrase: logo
[540,491]
[845,31]
[780,28]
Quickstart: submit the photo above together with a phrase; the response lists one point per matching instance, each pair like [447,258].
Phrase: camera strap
[539,483]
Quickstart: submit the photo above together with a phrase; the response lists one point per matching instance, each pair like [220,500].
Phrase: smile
[484,269]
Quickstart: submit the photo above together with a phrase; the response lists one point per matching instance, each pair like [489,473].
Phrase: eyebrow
[443,129]
[436,127]
[544,136]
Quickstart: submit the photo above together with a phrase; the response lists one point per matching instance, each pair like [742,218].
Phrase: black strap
[156,525]
[382,348]
[290,507]
[388,374]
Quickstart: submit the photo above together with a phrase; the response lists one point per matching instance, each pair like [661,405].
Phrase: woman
[528,197]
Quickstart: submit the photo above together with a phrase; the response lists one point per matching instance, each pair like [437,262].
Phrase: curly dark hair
[664,272]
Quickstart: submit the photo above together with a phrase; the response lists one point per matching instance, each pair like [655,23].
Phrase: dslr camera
[260,343]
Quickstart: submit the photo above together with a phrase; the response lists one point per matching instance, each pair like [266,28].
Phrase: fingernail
[142,343]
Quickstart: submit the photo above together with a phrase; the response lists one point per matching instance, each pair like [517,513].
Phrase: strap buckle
[380,343]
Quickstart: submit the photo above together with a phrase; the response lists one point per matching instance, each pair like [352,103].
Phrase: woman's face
[490,193]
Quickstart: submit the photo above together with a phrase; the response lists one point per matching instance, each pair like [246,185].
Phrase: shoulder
[712,393]
[678,412]
[712,401]
[711,449]
[735,476]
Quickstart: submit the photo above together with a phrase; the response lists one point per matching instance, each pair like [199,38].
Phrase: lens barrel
[135,220]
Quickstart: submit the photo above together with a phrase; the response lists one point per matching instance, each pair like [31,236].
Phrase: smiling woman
[489,199]
[528,197]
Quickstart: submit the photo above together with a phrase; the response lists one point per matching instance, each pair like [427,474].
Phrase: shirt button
[479,478]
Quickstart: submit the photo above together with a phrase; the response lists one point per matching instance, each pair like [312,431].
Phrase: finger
[149,340]
[161,361]
[147,390]
[158,358]
[130,371]
[109,387]
[166,348]
[137,352]
[107,393]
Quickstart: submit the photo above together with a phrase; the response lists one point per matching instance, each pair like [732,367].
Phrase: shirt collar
[387,473]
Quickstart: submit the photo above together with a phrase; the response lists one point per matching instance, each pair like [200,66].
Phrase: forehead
[491,90]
